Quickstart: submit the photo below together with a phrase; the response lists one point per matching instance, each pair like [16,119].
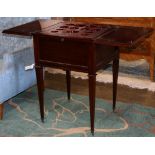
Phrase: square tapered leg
[115,69]
[92,90]
[68,80]
[1,111]
[40,85]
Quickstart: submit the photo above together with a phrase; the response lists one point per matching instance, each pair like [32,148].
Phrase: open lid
[126,36]
[31,27]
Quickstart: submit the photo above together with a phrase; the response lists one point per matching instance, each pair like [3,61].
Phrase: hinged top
[125,36]
[31,27]
[98,33]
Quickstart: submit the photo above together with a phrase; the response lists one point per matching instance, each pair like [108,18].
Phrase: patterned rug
[64,118]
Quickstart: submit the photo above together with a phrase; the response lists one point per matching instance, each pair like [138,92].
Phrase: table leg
[40,85]
[115,69]
[68,79]
[92,88]
[1,110]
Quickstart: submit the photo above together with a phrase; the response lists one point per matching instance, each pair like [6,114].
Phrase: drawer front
[65,51]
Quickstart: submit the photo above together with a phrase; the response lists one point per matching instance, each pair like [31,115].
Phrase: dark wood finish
[68,81]
[92,88]
[77,53]
[80,47]
[115,68]
[130,38]
[144,51]
[1,111]
[40,85]
[34,26]
[40,78]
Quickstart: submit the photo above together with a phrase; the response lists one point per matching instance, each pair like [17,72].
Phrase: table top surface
[98,33]
[76,30]
[31,27]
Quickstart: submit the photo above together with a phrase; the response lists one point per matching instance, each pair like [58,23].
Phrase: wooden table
[82,47]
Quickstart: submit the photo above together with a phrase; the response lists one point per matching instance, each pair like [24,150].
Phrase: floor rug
[71,118]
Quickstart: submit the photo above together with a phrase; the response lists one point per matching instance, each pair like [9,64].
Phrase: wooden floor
[79,86]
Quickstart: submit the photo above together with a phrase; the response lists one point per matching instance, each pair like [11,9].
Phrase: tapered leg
[68,80]
[115,68]
[92,88]
[152,64]
[40,85]
[1,111]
